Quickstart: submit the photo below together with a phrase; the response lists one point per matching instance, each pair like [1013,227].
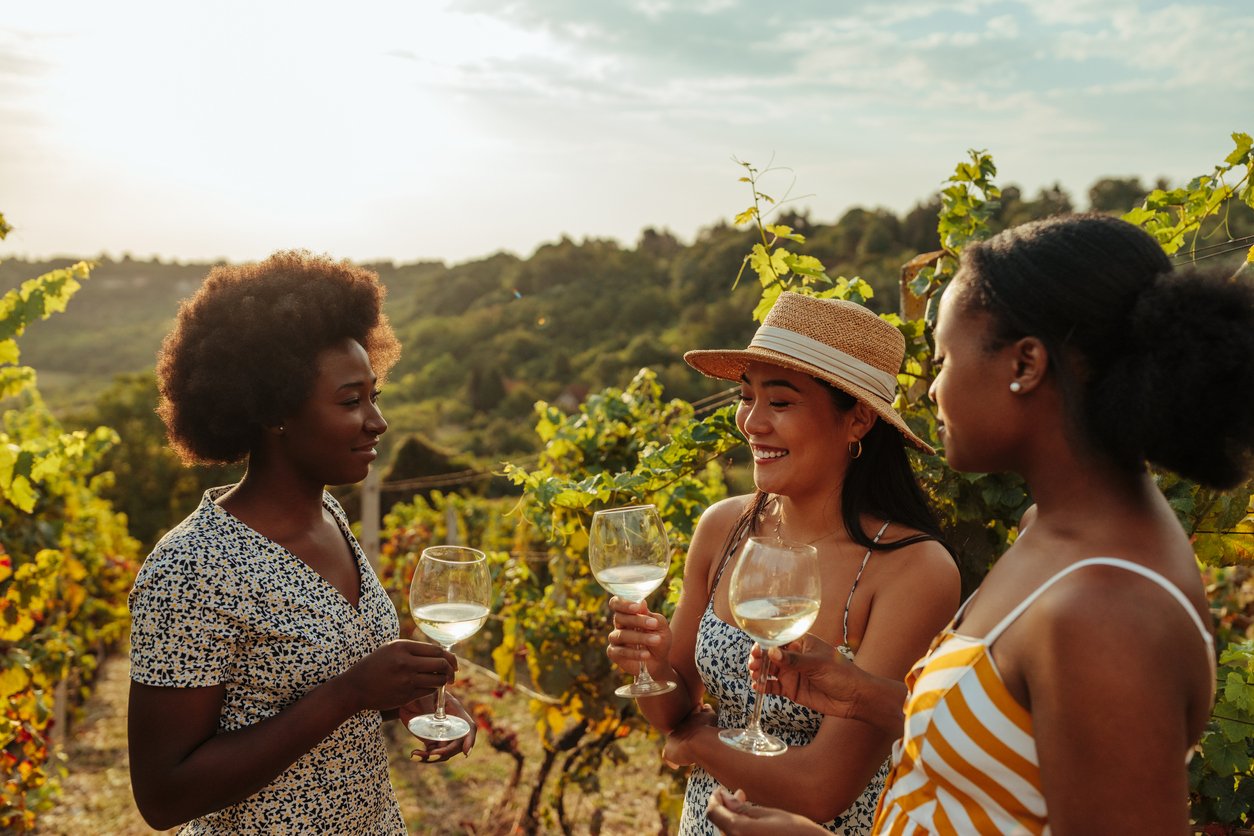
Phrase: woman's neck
[806,519]
[274,499]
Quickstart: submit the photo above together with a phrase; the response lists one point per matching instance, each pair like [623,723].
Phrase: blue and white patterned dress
[721,652]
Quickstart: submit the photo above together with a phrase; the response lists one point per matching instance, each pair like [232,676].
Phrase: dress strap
[858,577]
[737,538]
[1118,563]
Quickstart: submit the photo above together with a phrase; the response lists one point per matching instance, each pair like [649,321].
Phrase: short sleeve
[185,622]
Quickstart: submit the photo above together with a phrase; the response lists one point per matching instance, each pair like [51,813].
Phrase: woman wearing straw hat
[830,467]
[1070,690]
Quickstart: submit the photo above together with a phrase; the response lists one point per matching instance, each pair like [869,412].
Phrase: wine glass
[774,597]
[629,555]
[449,598]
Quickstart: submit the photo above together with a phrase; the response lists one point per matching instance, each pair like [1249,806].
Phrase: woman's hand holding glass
[449,598]
[629,556]
[640,636]
[809,672]
[436,751]
[396,673]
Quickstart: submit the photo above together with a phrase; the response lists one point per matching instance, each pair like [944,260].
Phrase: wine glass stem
[755,725]
[642,676]
[439,698]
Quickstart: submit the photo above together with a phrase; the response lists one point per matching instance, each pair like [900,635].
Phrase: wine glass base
[644,689]
[430,727]
[755,743]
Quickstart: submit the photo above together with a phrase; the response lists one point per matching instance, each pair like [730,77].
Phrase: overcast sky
[450,129]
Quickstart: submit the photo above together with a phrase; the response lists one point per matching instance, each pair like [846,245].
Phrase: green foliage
[66,560]
[622,447]
[1221,773]
[1176,215]
[150,485]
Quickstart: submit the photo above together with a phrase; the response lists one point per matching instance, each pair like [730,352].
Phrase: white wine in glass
[449,598]
[774,596]
[629,556]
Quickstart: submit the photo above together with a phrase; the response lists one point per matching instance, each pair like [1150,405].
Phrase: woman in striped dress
[1069,691]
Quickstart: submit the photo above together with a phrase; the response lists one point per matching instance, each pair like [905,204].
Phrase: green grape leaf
[1242,151]
[1224,756]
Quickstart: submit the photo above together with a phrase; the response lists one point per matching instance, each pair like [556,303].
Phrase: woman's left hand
[435,751]
[735,816]
[676,752]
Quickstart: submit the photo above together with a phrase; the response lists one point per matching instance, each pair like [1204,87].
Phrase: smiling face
[331,437]
[799,439]
[976,421]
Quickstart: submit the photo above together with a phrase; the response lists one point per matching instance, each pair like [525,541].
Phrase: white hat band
[832,360]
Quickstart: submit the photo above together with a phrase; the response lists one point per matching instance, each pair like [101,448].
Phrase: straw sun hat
[839,342]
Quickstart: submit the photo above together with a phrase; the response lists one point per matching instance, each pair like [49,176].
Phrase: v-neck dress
[217,603]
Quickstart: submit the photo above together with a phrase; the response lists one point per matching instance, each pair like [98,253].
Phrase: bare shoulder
[926,562]
[711,532]
[1106,619]
[1113,600]
[724,513]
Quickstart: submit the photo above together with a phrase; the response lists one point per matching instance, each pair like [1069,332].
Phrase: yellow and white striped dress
[967,761]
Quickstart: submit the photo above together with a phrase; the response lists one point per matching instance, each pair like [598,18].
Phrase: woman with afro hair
[265,654]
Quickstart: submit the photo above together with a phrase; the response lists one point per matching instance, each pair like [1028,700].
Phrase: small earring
[855,449]
[1016,386]
[282,429]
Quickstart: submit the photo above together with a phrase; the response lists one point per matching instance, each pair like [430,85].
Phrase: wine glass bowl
[449,598]
[774,595]
[629,557]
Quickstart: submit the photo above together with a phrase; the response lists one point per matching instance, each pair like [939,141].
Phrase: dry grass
[467,795]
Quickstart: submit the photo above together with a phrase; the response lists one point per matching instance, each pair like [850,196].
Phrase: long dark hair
[880,482]
[1153,363]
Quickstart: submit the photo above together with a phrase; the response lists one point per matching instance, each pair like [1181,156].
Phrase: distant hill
[483,340]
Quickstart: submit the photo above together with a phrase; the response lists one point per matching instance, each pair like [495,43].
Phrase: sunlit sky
[438,129]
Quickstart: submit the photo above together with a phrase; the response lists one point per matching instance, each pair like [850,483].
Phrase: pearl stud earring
[1016,386]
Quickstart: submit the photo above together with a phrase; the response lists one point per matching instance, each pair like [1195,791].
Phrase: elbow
[157,816]
[158,807]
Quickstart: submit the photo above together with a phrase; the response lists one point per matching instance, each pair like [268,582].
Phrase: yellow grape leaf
[75,569]
[12,680]
[18,629]
[21,494]
[75,595]
[8,351]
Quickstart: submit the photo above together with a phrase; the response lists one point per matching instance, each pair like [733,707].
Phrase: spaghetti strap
[1118,563]
[844,640]
[722,564]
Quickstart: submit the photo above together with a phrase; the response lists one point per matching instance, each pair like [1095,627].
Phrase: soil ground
[463,796]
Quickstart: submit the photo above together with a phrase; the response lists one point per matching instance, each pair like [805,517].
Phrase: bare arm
[182,768]
[820,780]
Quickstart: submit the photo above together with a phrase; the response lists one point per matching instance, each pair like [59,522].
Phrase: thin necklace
[779,520]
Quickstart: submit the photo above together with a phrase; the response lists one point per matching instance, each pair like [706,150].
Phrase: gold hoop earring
[855,449]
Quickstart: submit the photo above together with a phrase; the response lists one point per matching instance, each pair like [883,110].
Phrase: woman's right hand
[810,672]
[399,672]
[638,636]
